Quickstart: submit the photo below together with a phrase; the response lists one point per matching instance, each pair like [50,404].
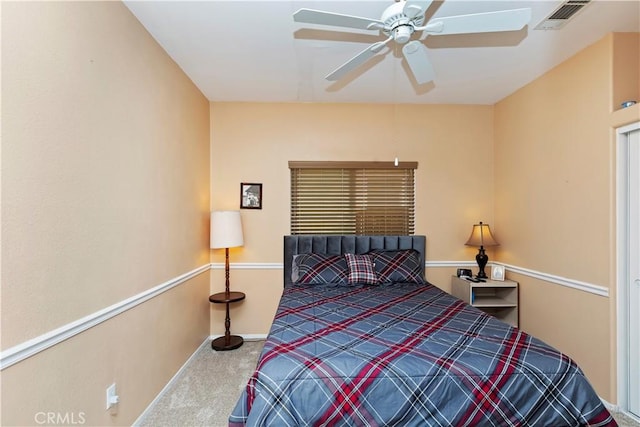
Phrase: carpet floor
[206,391]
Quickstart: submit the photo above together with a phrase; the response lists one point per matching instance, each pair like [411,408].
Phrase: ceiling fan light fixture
[402,33]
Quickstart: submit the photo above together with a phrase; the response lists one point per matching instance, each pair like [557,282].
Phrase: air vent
[559,17]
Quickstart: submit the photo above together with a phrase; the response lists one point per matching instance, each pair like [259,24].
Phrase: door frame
[622,268]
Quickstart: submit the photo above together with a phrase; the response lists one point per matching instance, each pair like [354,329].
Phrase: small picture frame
[250,195]
[497,272]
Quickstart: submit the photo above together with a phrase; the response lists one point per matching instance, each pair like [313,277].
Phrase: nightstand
[499,299]
[228,341]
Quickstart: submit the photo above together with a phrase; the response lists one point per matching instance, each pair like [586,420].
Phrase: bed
[400,351]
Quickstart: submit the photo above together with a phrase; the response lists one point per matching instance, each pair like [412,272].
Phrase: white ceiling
[253,51]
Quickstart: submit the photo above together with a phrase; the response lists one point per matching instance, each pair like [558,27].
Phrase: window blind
[373,198]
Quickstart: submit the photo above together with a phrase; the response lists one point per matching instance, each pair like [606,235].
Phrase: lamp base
[221,344]
[481,259]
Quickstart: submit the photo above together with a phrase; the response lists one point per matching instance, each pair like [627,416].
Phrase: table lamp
[481,236]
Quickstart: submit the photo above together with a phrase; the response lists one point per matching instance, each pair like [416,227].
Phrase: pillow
[361,269]
[316,269]
[399,266]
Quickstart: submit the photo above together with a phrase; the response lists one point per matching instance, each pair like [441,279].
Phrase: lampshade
[226,229]
[481,236]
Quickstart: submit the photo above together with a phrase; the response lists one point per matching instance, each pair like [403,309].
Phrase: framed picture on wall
[497,272]
[250,196]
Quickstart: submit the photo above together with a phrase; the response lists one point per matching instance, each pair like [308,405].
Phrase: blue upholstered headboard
[339,244]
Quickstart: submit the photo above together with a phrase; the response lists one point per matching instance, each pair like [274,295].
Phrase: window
[374,198]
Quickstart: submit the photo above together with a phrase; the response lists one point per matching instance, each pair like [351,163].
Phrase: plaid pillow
[401,266]
[316,269]
[361,269]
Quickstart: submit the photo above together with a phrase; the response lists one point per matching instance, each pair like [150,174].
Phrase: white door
[633,263]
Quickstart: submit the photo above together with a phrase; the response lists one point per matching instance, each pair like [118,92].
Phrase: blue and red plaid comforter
[407,355]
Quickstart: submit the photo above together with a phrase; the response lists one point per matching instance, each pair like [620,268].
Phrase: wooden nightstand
[228,341]
[499,299]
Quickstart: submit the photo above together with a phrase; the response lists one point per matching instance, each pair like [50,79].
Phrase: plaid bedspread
[407,355]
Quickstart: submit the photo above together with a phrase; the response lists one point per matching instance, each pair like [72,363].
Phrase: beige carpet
[207,389]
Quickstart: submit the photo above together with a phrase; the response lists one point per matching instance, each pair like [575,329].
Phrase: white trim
[433,264]
[617,408]
[248,266]
[621,267]
[170,383]
[633,416]
[558,280]
[627,129]
[622,254]
[279,265]
[563,281]
[609,406]
[35,345]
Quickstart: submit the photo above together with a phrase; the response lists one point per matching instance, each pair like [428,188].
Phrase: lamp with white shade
[226,232]
[481,236]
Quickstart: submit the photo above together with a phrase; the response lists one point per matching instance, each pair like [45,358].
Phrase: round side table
[228,341]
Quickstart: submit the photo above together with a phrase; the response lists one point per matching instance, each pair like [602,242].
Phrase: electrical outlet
[112,397]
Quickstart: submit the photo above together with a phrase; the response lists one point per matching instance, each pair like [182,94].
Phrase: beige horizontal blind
[373,198]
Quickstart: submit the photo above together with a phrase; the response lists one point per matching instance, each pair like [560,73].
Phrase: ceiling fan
[400,21]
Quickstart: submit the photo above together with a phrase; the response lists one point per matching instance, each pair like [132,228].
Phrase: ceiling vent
[559,17]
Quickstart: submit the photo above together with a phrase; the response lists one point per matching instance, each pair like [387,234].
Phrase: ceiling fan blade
[413,8]
[504,20]
[357,60]
[418,59]
[312,16]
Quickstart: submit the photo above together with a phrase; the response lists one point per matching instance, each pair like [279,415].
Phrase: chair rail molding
[551,278]
[558,280]
[17,353]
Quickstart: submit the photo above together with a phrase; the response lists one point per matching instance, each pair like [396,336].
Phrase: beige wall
[253,142]
[105,195]
[554,199]
[553,157]
[626,68]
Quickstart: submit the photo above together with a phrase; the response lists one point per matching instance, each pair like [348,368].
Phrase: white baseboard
[173,379]
[610,406]
[632,416]
[617,408]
